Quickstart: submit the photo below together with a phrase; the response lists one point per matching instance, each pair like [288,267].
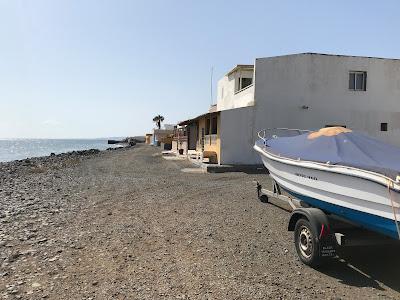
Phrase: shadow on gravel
[256,171]
[366,266]
[363,266]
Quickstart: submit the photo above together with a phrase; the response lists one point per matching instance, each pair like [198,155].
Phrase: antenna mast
[211,85]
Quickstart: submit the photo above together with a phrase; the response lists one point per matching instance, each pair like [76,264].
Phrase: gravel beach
[128,224]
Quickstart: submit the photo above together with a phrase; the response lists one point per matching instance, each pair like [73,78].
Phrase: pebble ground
[128,224]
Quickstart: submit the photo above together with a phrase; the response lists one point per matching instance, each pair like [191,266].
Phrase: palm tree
[158,119]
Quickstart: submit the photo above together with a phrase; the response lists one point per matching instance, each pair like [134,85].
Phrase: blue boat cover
[346,148]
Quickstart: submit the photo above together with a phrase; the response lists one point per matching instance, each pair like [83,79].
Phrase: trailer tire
[307,243]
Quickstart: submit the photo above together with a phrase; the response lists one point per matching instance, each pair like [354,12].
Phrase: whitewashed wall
[226,96]
[284,84]
[237,136]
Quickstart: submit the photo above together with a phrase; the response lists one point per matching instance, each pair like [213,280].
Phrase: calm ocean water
[24,148]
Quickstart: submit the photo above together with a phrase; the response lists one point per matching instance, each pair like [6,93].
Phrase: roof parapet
[240,67]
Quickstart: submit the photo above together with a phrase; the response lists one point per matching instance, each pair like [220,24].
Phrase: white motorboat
[341,172]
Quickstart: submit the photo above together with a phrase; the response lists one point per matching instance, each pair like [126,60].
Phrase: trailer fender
[315,216]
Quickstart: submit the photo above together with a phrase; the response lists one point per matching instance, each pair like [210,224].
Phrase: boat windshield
[273,133]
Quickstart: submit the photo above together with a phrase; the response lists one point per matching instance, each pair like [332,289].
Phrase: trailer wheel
[307,243]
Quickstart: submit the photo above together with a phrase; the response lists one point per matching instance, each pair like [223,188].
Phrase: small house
[148,138]
[201,137]
[162,135]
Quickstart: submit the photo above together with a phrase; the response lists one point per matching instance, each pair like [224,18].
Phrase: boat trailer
[317,234]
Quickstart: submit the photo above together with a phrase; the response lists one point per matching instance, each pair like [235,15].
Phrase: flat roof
[186,122]
[161,130]
[328,54]
[251,67]
[238,67]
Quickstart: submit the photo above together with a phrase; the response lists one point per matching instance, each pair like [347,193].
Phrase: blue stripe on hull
[372,222]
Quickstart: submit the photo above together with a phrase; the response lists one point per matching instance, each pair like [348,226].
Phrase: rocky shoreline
[35,201]
[50,162]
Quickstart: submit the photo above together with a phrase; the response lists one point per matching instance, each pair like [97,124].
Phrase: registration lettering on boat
[306,176]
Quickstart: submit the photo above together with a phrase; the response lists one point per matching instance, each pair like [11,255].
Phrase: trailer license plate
[327,248]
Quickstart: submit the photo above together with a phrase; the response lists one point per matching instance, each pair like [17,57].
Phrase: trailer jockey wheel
[307,243]
[263,198]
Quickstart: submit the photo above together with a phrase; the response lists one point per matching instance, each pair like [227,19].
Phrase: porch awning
[190,121]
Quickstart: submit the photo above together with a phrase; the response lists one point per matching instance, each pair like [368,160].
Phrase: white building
[307,91]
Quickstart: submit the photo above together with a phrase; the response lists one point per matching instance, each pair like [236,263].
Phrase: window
[245,82]
[335,125]
[214,125]
[384,126]
[357,81]
[207,126]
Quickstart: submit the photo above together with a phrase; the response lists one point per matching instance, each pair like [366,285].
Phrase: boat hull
[356,199]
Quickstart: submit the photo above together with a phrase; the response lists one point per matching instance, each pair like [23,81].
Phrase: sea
[15,149]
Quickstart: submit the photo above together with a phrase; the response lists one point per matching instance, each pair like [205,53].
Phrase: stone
[53,259]
[13,291]
[36,285]
[13,257]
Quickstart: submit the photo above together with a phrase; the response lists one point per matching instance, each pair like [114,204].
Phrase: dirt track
[130,225]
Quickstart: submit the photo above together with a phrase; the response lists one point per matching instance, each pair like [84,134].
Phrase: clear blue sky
[104,68]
